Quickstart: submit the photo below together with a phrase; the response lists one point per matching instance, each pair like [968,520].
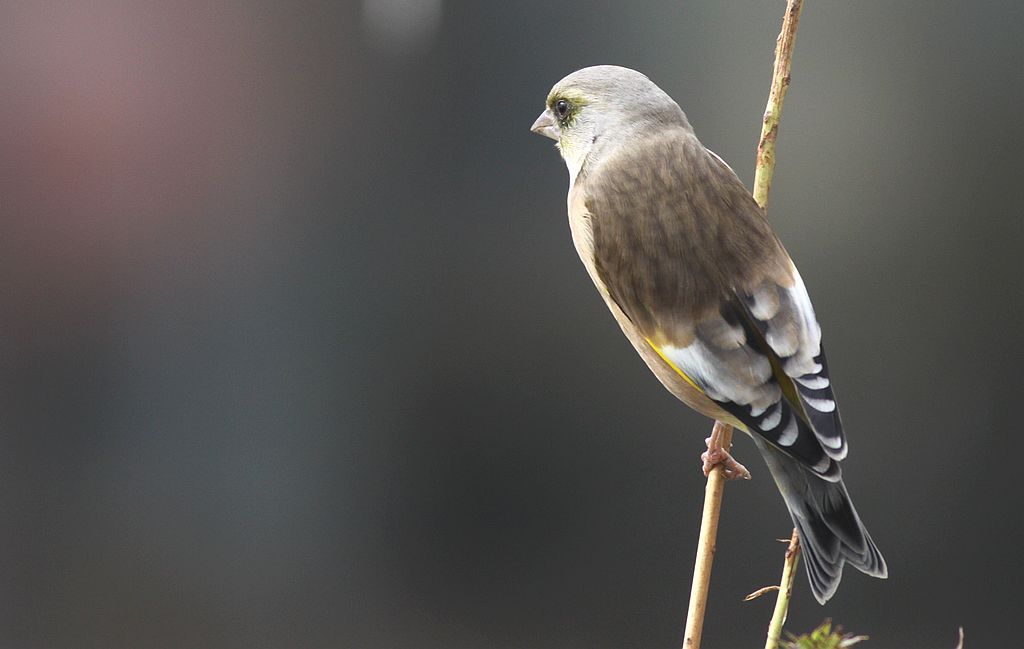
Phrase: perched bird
[703,289]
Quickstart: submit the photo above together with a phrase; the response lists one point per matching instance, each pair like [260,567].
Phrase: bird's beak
[547,125]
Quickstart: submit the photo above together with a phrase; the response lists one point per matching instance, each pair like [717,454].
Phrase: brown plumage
[670,249]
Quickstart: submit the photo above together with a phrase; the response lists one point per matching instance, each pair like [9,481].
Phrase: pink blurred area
[135,129]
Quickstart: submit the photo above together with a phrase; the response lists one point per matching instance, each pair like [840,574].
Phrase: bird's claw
[715,456]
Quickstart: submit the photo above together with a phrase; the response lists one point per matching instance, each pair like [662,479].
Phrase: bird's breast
[583,236]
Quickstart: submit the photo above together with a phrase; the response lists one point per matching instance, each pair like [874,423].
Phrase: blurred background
[296,351]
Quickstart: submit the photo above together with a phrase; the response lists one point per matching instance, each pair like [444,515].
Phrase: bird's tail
[830,530]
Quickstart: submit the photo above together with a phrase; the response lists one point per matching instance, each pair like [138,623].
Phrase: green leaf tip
[824,637]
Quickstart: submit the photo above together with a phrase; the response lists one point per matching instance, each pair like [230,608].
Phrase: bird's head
[600,107]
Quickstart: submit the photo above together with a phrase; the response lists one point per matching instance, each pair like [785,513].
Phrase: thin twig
[706,543]
[760,591]
[780,83]
[785,591]
[716,479]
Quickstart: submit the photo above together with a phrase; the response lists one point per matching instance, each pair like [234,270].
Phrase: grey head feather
[616,105]
[625,96]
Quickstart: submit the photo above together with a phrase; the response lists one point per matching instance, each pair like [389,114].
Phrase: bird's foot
[716,455]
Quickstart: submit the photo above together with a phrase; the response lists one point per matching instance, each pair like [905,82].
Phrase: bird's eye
[562,108]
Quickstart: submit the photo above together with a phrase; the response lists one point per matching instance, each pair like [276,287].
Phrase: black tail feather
[831,533]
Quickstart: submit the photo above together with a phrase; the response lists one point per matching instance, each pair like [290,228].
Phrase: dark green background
[296,352]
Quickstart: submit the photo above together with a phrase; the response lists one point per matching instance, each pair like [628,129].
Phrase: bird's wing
[697,270]
[783,318]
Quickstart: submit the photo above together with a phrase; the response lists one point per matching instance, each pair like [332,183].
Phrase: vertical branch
[785,590]
[773,111]
[723,432]
[706,543]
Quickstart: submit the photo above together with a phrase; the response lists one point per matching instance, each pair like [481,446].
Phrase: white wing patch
[742,380]
[773,418]
[793,333]
[813,383]
[745,356]
[738,375]
[787,321]
[821,405]
[789,435]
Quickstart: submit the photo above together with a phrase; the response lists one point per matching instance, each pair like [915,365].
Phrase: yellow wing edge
[657,350]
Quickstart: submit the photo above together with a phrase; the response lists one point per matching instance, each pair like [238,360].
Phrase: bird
[703,288]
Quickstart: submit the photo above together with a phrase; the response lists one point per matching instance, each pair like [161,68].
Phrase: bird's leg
[716,455]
